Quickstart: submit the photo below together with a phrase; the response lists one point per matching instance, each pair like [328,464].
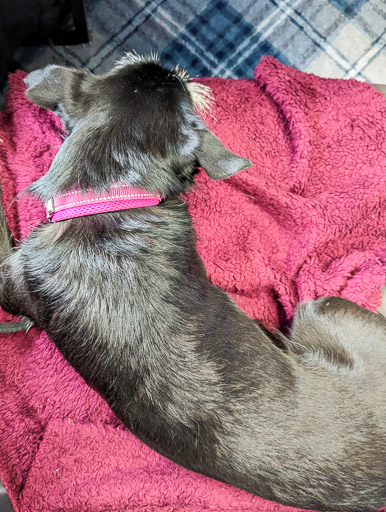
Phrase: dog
[297,419]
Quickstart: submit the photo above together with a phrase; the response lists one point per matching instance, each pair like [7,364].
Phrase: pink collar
[78,204]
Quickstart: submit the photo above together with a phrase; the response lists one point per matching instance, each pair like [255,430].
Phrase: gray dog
[124,295]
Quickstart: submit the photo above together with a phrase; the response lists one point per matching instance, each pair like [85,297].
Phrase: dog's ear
[218,162]
[47,87]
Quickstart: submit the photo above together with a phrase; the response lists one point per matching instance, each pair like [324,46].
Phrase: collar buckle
[50,208]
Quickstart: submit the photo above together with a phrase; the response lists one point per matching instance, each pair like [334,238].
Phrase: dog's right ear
[49,86]
[218,162]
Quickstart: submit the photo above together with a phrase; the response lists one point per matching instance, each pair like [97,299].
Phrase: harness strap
[22,325]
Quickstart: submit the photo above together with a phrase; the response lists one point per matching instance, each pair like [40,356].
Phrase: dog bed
[308,220]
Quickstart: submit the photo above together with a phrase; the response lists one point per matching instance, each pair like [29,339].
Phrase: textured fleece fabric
[308,220]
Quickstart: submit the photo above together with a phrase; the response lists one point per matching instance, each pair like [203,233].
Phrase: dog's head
[136,125]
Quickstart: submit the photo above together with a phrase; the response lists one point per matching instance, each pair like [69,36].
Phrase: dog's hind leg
[344,341]
[336,333]
[313,338]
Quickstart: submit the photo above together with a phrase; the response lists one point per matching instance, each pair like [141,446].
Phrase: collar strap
[79,204]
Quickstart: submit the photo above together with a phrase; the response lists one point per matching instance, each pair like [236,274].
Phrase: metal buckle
[50,208]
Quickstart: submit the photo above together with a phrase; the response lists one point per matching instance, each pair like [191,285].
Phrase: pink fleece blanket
[308,220]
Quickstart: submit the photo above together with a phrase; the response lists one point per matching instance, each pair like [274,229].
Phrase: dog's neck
[97,163]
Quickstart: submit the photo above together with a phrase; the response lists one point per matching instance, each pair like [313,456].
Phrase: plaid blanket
[225,38]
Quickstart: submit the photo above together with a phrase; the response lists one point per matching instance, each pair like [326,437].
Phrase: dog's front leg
[5,235]
[11,291]
[14,296]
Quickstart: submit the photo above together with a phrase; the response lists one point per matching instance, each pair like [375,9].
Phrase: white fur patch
[181,73]
[134,58]
[202,96]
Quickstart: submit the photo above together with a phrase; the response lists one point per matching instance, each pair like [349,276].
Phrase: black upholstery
[5,504]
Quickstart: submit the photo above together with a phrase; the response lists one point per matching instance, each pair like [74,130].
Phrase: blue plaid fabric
[217,40]
[226,38]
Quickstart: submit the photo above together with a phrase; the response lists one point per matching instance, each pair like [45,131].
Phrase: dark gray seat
[5,504]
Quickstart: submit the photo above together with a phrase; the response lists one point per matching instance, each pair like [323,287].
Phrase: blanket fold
[308,220]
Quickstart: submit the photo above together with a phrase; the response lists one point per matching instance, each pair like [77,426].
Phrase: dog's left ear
[48,87]
[218,162]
